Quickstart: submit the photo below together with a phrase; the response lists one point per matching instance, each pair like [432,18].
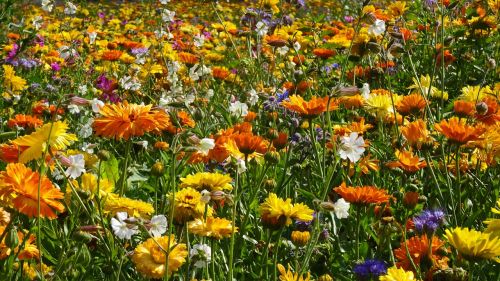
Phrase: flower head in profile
[206,180]
[494,224]
[363,194]
[53,135]
[411,104]
[216,228]
[474,245]
[309,109]
[276,212]
[397,274]
[134,208]
[370,268]
[19,187]
[288,275]
[124,120]
[407,161]
[352,147]
[416,133]
[417,248]
[150,257]
[246,145]
[457,131]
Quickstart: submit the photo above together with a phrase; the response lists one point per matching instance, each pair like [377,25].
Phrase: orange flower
[411,104]
[311,108]
[19,188]
[25,121]
[281,141]
[457,131]
[365,164]
[407,161]
[124,120]
[323,53]
[418,247]
[275,41]
[10,152]
[416,133]
[362,194]
[220,72]
[491,115]
[188,58]
[247,145]
[183,119]
[111,55]
[464,108]
[352,102]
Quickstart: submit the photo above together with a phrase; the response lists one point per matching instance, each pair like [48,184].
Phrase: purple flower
[348,19]
[370,268]
[12,53]
[429,220]
[55,66]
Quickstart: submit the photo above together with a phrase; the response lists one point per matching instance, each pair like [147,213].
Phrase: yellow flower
[425,88]
[89,184]
[188,205]
[51,135]
[134,208]
[474,245]
[397,8]
[208,181]
[288,275]
[14,84]
[379,105]
[277,212]
[494,224]
[475,93]
[217,228]
[150,257]
[397,274]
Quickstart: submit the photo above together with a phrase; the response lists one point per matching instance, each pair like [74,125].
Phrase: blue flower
[370,268]
[429,220]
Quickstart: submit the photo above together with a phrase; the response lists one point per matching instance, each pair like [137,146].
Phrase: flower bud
[103,155]
[272,157]
[157,169]
[270,184]
[218,195]
[82,236]
[410,199]
[491,64]
[325,277]
[300,238]
[481,108]
[12,239]
[327,206]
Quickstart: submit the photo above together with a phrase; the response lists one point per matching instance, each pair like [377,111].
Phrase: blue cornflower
[429,220]
[370,268]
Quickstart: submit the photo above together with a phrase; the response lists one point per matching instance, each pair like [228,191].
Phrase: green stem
[233,220]
[123,179]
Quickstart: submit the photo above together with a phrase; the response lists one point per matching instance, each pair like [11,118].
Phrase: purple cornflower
[370,268]
[429,220]
[55,66]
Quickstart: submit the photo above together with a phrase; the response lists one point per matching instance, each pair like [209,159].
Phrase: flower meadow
[289,140]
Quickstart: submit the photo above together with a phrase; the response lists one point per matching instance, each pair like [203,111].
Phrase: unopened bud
[491,64]
[328,206]
[103,155]
[12,240]
[217,195]
[481,108]
[157,169]
[272,157]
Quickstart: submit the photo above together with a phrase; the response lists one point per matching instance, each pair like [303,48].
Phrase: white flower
[283,50]
[158,225]
[238,109]
[143,143]
[377,28]
[253,97]
[86,130]
[70,8]
[261,28]
[66,52]
[82,89]
[296,46]
[341,208]
[202,254]
[205,145]
[77,166]
[167,15]
[96,105]
[122,229]
[210,93]
[130,83]
[352,147]
[198,71]
[37,22]
[199,40]
[365,90]
[47,5]
[164,2]
[73,109]
[88,147]
[92,37]
[206,196]
[241,167]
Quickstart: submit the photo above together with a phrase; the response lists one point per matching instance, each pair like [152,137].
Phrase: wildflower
[88,183]
[493,224]
[24,121]
[411,104]
[429,220]
[19,188]
[51,135]
[12,83]
[202,254]
[158,225]
[126,120]
[377,28]
[352,147]
[288,275]
[456,131]
[464,108]
[474,245]
[150,257]
[188,205]
[416,133]
[134,208]
[276,212]
[238,109]
[363,194]
[407,161]
[76,166]
[379,105]
[341,208]
[205,180]
[122,227]
[370,269]
[70,8]
[246,145]
[216,228]
[418,249]
[300,238]
[205,145]
[397,274]
[309,109]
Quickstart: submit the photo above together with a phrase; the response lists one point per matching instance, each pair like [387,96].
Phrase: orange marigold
[416,133]
[464,108]
[362,194]
[25,121]
[418,247]
[407,161]
[124,120]
[111,55]
[19,188]
[457,131]
[411,104]
[309,109]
